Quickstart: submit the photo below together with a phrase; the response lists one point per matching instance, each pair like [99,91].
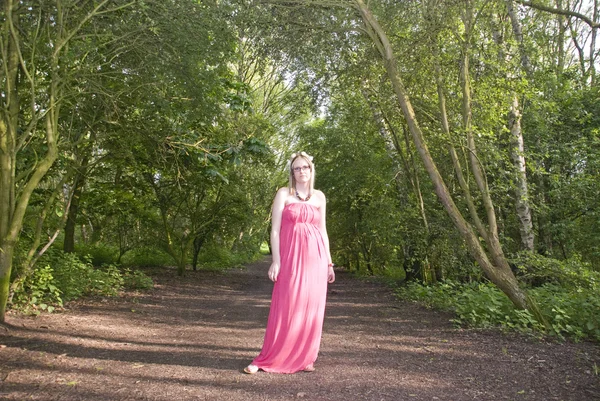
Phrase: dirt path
[189,339]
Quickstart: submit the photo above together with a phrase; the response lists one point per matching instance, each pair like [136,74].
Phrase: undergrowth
[566,292]
[63,277]
[217,257]
[571,312]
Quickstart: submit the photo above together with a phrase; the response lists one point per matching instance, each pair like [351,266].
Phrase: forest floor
[189,338]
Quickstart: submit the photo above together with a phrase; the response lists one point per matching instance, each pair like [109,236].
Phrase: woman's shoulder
[283,192]
[319,194]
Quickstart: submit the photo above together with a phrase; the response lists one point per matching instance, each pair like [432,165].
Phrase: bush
[77,277]
[573,313]
[145,257]
[106,281]
[217,257]
[38,293]
[72,274]
[98,254]
[136,280]
[441,295]
[486,306]
[537,270]
[394,275]
[67,277]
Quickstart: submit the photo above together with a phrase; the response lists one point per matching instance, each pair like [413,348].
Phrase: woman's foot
[310,368]
[251,369]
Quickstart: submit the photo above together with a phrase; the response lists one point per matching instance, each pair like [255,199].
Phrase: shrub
[67,277]
[486,306]
[440,295]
[394,275]
[146,257]
[98,254]
[38,293]
[72,275]
[136,280]
[537,270]
[216,257]
[573,313]
[106,280]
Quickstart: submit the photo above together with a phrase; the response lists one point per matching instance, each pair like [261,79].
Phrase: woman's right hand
[274,272]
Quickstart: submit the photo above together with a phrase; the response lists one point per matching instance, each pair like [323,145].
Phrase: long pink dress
[293,335]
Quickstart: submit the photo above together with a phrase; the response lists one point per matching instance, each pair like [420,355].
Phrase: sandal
[309,368]
[251,369]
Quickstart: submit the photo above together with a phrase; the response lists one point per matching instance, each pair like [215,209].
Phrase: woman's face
[301,170]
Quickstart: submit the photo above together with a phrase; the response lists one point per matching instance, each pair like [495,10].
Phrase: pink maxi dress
[295,323]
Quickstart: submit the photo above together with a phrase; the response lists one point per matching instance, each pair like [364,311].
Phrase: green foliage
[38,293]
[217,257]
[77,277]
[98,254]
[146,256]
[441,295]
[535,270]
[483,305]
[136,280]
[67,277]
[72,275]
[264,248]
[572,313]
[394,274]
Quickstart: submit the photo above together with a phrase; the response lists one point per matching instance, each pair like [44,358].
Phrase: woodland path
[189,338]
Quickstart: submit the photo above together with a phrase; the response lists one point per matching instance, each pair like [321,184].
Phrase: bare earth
[189,338]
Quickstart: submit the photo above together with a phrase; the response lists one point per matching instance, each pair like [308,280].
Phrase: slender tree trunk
[496,268]
[71,225]
[518,34]
[8,132]
[517,142]
[521,190]
[560,19]
[462,182]
[198,242]
[80,173]
[13,208]
[594,53]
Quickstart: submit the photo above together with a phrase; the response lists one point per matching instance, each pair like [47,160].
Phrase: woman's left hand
[330,275]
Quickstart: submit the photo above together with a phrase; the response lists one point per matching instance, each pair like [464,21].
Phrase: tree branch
[559,11]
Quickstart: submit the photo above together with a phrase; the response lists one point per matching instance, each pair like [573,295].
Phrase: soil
[189,338]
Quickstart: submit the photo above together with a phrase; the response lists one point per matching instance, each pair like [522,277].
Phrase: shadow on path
[189,338]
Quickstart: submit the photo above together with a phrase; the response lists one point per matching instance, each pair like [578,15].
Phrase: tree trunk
[12,208]
[198,242]
[521,190]
[517,143]
[69,242]
[496,268]
[8,132]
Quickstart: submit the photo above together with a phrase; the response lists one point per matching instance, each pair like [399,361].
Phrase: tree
[34,37]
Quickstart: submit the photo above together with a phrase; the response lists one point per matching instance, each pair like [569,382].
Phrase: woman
[301,269]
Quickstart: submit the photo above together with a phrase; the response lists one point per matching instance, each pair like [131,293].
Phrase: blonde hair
[308,159]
